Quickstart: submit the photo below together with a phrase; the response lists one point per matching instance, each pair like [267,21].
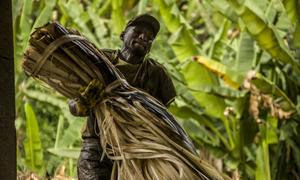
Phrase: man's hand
[89,97]
[78,108]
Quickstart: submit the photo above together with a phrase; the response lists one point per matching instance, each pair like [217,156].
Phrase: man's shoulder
[154,65]
[157,69]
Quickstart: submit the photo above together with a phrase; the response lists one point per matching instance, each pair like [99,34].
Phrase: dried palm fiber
[137,131]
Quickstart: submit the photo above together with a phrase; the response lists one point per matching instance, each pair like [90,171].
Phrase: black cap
[145,18]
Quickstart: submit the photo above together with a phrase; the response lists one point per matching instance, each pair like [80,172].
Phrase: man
[140,72]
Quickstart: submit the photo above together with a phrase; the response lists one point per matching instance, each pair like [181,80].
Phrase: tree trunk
[7,94]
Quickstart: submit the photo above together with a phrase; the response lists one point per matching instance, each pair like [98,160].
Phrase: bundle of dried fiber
[64,60]
[137,132]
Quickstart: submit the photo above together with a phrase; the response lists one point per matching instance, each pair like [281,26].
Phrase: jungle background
[235,65]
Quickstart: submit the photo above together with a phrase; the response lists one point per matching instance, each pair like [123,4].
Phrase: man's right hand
[78,108]
[89,97]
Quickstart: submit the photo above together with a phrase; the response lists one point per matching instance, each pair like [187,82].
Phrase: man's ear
[122,35]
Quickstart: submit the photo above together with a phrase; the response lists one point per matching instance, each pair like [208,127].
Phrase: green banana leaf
[291,7]
[170,14]
[188,116]
[117,15]
[45,14]
[33,144]
[142,6]
[105,8]
[272,125]
[262,161]
[59,131]
[217,48]
[223,7]
[25,23]
[276,14]
[220,91]
[204,12]
[296,40]
[245,54]
[200,134]
[233,79]
[196,77]
[184,44]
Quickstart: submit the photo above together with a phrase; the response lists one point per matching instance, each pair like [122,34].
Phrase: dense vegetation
[235,65]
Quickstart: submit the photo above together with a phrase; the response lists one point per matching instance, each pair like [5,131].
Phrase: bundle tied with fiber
[137,132]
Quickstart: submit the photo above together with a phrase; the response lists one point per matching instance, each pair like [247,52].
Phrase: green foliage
[32,144]
[117,16]
[230,38]
[265,34]
[245,54]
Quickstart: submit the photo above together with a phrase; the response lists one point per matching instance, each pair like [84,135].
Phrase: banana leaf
[232,78]
[291,9]
[223,7]
[25,23]
[117,16]
[296,40]
[245,54]
[33,144]
[217,48]
[45,14]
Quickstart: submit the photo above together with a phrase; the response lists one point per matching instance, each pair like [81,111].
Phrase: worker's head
[139,33]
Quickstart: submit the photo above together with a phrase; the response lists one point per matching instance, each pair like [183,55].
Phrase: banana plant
[252,43]
[185,45]
[264,33]
[235,79]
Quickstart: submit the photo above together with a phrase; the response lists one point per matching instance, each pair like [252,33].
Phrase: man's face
[138,38]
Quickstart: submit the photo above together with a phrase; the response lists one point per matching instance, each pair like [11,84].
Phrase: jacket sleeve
[168,91]
[159,83]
